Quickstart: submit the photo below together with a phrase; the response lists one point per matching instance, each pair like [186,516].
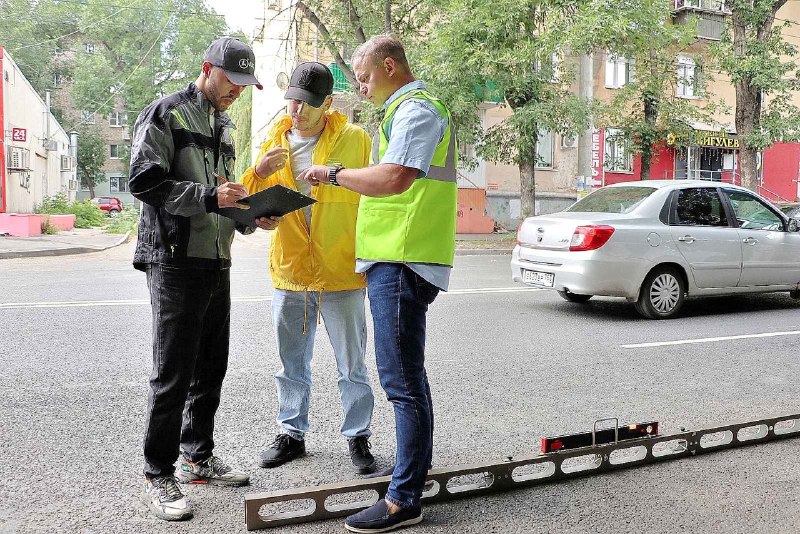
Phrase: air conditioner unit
[66,163]
[569,141]
[19,158]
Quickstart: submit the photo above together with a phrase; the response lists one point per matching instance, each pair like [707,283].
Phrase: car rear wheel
[662,294]
[113,213]
[572,297]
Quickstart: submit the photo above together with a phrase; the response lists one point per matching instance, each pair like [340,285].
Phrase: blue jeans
[294,318]
[191,328]
[399,300]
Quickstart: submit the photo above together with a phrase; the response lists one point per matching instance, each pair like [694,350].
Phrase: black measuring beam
[606,435]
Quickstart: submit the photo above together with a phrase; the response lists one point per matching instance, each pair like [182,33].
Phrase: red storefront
[714,156]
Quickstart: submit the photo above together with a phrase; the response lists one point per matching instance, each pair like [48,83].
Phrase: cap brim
[239,78]
[296,93]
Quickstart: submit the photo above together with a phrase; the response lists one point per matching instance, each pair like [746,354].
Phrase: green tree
[115,54]
[646,109]
[91,157]
[241,113]
[345,24]
[752,53]
[506,51]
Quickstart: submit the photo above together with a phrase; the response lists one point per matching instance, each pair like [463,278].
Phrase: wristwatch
[332,172]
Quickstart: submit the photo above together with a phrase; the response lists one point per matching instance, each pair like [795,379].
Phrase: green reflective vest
[419,225]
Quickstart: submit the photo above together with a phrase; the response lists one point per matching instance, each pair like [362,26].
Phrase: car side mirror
[794,225]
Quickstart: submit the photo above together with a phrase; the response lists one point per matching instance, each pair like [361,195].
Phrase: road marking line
[709,339]
[91,303]
[140,302]
[491,290]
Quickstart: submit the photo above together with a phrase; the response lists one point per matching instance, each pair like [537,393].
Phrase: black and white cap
[235,58]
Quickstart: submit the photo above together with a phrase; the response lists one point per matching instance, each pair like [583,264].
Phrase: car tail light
[518,229]
[590,237]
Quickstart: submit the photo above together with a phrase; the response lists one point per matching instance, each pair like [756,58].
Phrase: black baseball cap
[235,58]
[311,82]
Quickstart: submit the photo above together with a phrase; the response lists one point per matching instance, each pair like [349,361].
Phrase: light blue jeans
[294,317]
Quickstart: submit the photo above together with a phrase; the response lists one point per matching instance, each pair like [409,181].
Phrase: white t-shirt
[300,152]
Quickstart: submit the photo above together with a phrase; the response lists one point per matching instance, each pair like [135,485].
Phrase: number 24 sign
[19,134]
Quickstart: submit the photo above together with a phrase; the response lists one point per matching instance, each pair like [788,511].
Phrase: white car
[655,242]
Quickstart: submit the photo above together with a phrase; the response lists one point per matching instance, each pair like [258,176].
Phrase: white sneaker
[211,471]
[164,498]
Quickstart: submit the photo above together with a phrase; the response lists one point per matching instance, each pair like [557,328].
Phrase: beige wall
[560,178]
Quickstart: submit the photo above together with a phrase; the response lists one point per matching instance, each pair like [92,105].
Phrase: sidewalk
[81,240]
[76,241]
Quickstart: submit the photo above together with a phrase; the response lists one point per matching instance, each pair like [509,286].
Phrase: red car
[111,205]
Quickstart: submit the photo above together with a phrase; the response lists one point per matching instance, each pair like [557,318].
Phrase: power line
[123,84]
[67,35]
[211,13]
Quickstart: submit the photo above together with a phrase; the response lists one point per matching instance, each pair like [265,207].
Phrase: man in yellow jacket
[312,264]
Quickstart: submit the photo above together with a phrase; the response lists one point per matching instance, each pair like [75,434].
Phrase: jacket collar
[204,104]
[335,122]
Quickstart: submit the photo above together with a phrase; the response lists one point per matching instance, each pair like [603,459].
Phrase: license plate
[538,278]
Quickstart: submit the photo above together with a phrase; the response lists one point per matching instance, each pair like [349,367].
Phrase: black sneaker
[211,471]
[376,518]
[362,459]
[284,449]
[164,498]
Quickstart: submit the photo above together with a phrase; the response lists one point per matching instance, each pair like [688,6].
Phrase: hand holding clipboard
[275,201]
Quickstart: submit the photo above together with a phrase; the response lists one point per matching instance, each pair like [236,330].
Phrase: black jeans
[191,331]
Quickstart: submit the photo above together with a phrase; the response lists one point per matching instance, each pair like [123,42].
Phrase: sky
[239,14]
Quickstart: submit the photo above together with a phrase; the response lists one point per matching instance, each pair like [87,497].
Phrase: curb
[61,251]
[483,252]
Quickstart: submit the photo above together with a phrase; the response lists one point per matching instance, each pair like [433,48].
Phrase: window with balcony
[710,5]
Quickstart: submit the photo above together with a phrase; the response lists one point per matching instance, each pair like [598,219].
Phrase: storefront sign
[19,135]
[715,139]
[598,149]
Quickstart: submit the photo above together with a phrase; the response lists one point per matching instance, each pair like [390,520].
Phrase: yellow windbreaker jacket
[323,257]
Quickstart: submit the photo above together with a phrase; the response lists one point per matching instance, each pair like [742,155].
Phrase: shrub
[48,228]
[124,222]
[87,214]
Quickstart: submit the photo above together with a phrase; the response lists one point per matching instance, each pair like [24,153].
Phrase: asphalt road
[507,366]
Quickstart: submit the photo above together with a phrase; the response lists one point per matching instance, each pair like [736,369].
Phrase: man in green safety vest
[405,242]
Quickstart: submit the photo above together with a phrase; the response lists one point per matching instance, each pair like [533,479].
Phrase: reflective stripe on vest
[418,225]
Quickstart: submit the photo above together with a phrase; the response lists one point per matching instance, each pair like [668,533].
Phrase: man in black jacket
[181,162]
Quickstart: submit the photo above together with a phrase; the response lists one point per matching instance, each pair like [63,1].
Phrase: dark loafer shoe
[377,518]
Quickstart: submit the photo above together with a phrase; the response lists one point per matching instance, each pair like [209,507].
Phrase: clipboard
[274,201]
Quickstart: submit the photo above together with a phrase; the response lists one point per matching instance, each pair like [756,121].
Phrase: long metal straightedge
[286,507]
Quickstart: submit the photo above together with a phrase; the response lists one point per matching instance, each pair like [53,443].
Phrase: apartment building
[113,125]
